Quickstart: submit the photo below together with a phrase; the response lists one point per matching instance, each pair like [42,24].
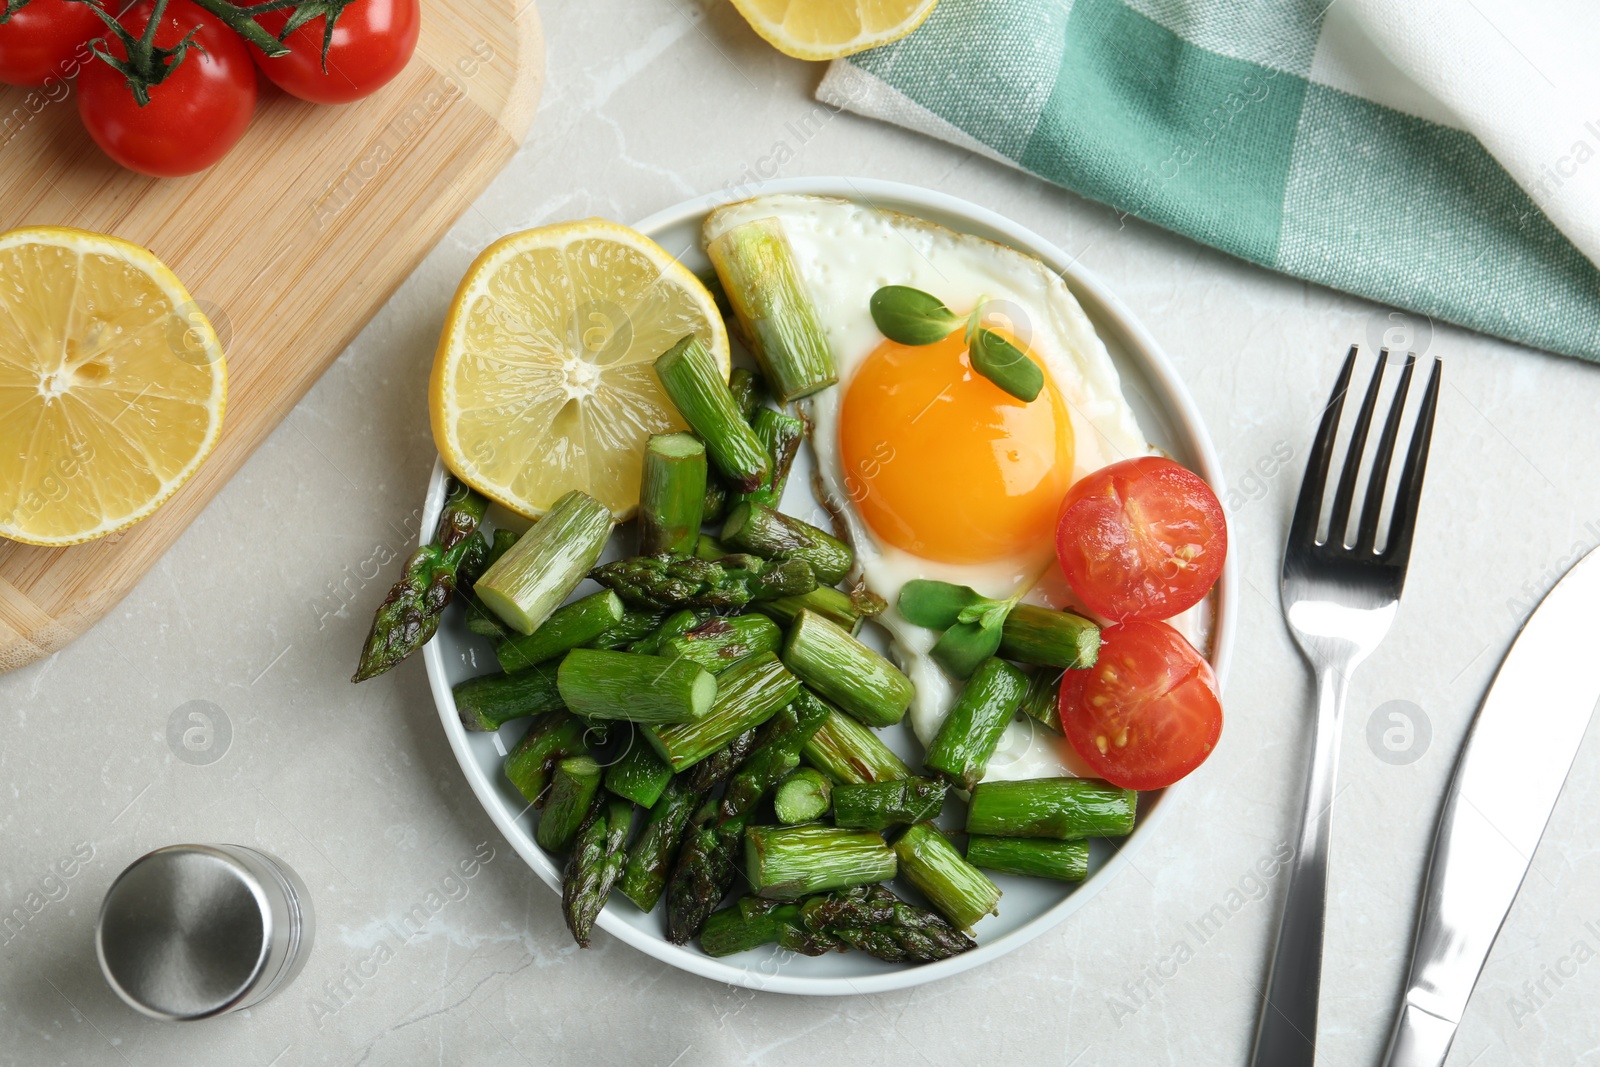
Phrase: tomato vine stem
[148,66]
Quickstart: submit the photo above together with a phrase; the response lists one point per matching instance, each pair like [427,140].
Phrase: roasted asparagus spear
[596,860]
[409,615]
[691,582]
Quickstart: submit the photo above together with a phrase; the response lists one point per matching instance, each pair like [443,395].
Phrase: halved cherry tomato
[1147,713]
[1141,539]
[45,40]
[372,40]
[193,117]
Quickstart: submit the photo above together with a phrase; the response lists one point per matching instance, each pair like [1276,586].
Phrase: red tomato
[1147,713]
[45,40]
[372,40]
[1141,539]
[193,117]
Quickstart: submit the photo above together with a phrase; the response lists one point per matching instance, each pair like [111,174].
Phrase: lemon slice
[829,29]
[544,382]
[111,385]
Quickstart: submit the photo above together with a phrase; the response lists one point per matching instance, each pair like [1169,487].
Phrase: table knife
[1526,733]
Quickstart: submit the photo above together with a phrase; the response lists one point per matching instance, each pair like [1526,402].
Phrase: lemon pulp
[543,382]
[112,385]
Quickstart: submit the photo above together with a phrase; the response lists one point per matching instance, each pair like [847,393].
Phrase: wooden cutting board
[291,244]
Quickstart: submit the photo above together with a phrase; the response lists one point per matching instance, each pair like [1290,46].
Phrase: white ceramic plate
[1028,906]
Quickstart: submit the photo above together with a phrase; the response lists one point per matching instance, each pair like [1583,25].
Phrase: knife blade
[1525,733]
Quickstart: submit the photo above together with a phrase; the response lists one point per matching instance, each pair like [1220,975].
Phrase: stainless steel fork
[1339,600]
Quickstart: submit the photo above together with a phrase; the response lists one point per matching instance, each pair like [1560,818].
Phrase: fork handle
[1287,1028]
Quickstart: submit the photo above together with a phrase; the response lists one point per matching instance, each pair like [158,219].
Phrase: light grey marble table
[259,609]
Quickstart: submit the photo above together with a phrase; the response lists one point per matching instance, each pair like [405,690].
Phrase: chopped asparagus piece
[679,622]
[835,605]
[770,300]
[754,527]
[568,627]
[1042,702]
[873,920]
[546,564]
[1066,809]
[748,694]
[480,620]
[708,864]
[716,768]
[595,862]
[627,685]
[804,796]
[776,754]
[640,774]
[636,625]
[489,701]
[868,918]
[710,549]
[970,732]
[691,379]
[961,892]
[789,862]
[716,501]
[880,805]
[409,615]
[702,875]
[847,672]
[551,737]
[736,929]
[572,788]
[1031,857]
[1049,638]
[848,752]
[651,858]
[672,494]
[719,642]
[480,559]
[748,391]
[751,921]
[781,434]
[679,582]
[503,540]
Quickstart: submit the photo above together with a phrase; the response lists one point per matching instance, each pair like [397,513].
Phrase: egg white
[846,252]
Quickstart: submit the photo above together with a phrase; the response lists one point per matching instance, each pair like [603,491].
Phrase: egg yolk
[941,462]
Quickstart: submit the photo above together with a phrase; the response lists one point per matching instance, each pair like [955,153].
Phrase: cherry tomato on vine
[1147,713]
[1141,539]
[46,39]
[198,112]
[372,41]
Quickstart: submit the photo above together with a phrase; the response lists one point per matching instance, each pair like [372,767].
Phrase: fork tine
[1404,523]
[1303,528]
[1344,495]
[1367,536]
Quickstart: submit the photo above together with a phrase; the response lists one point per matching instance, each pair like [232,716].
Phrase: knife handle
[1419,1039]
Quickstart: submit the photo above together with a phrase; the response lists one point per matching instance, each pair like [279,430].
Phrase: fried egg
[931,469]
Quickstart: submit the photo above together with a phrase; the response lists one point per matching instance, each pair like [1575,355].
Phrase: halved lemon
[112,384]
[544,382]
[830,29]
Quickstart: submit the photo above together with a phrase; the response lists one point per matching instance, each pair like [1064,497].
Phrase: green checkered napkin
[1219,119]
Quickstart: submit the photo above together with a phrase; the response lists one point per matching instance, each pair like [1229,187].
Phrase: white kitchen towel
[1519,75]
[1433,155]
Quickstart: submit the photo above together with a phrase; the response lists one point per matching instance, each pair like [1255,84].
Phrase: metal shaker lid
[191,931]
